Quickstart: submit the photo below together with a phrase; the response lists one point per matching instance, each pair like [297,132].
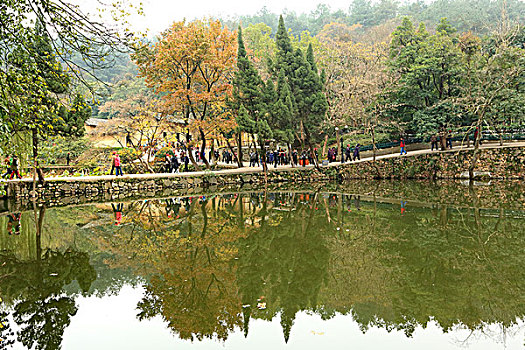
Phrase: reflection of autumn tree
[189,268]
[322,253]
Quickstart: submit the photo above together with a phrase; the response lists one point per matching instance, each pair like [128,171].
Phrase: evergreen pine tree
[310,57]
[247,82]
[282,118]
[73,123]
[248,94]
[309,102]
[284,56]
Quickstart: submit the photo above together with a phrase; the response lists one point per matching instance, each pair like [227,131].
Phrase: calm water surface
[363,266]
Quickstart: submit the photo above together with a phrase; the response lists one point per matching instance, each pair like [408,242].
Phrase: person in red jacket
[116,164]
[402,145]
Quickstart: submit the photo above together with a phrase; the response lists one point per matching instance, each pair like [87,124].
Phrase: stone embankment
[507,162]
[494,162]
[77,189]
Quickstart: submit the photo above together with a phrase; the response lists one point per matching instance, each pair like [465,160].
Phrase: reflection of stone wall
[501,163]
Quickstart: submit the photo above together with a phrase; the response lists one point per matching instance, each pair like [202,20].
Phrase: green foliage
[478,16]
[251,95]
[429,69]
[55,149]
[247,82]
[31,63]
[42,311]
[300,74]
[71,122]
[245,122]
[281,115]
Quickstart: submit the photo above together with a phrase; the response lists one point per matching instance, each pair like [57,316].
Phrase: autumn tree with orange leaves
[192,66]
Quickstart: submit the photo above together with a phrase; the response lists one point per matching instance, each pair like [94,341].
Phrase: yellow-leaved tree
[191,66]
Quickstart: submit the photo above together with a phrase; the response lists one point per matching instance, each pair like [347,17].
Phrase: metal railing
[413,140]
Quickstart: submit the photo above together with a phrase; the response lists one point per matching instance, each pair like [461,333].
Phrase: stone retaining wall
[495,163]
[501,163]
[123,187]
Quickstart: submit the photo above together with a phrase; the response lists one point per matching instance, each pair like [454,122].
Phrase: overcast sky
[159,14]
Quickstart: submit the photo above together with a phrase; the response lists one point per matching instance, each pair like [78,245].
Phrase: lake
[365,265]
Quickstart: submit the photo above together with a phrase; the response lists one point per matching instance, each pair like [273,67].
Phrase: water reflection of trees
[207,260]
[34,289]
[211,259]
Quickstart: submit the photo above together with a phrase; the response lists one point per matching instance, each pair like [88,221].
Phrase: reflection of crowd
[180,207]
[13,223]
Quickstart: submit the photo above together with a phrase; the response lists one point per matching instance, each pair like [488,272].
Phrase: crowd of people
[444,138]
[350,154]
[12,168]
[281,157]
[178,156]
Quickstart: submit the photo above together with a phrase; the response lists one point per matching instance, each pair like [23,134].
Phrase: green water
[362,265]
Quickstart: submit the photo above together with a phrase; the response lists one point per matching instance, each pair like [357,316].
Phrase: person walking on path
[433,142]
[116,164]
[348,153]
[167,163]
[186,161]
[448,139]
[295,158]
[7,162]
[175,162]
[356,152]
[402,145]
[14,168]
[68,158]
[476,135]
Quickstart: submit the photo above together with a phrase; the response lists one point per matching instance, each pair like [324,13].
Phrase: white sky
[159,14]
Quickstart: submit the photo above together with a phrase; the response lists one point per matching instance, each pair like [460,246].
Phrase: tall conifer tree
[310,104]
[248,93]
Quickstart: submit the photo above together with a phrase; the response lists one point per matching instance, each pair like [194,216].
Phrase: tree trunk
[442,140]
[231,150]
[36,170]
[213,159]
[263,161]
[312,153]
[475,156]
[337,144]
[374,151]
[290,154]
[324,145]
[192,160]
[203,148]
[239,150]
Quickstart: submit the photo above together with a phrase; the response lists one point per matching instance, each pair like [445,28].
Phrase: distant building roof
[95,121]
[177,119]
